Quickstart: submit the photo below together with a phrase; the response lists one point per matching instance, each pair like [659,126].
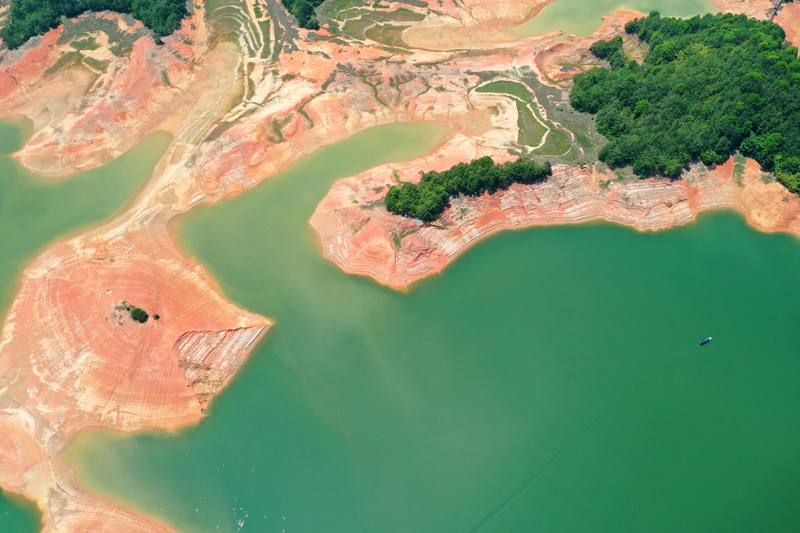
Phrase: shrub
[139,315]
[427,200]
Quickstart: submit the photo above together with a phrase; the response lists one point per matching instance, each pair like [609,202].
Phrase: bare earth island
[246,94]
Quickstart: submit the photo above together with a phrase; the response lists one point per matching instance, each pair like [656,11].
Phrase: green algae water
[549,380]
[36,211]
[583,18]
[18,515]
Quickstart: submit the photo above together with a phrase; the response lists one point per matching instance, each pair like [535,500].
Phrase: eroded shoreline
[241,112]
[397,251]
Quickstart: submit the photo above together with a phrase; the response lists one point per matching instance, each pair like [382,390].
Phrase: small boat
[705,341]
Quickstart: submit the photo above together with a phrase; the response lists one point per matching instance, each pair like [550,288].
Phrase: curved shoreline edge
[361,237]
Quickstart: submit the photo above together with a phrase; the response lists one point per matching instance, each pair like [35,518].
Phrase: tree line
[428,199]
[29,18]
[303,11]
[709,85]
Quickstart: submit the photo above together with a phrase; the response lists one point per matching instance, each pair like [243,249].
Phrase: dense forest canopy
[35,17]
[303,10]
[427,200]
[709,86]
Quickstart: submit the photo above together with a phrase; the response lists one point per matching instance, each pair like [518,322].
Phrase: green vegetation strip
[531,126]
[708,86]
[427,200]
[35,17]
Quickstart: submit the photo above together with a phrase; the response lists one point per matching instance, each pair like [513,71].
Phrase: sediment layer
[361,237]
[72,356]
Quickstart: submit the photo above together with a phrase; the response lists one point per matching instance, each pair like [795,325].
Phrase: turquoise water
[549,380]
[583,18]
[18,515]
[36,211]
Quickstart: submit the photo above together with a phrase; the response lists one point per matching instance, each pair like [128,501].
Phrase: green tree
[29,18]
[708,86]
[139,315]
[427,200]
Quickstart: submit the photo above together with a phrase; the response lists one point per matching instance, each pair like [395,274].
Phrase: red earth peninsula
[72,356]
[361,237]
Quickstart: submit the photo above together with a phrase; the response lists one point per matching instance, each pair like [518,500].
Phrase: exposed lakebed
[549,380]
[35,211]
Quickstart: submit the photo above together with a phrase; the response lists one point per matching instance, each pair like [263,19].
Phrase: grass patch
[71,59]
[277,127]
[165,78]
[96,64]
[405,15]
[388,35]
[265,29]
[530,130]
[336,9]
[557,143]
[739,162]
[397,238]
[507,87]
[357,27]
[85,44]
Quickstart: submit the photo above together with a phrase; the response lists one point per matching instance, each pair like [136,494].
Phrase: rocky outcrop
[209,359]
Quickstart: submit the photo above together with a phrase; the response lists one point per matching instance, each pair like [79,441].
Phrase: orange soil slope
[70,355]
[83,117]
[361,239]
[93,364]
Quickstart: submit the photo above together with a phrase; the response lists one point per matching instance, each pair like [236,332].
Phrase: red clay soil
[789,19]
[759,9]
[361,237]
[83,117]
[73,356]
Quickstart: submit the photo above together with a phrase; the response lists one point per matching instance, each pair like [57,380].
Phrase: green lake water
[18,515]
[549,380]
[583,18]
[36,211]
